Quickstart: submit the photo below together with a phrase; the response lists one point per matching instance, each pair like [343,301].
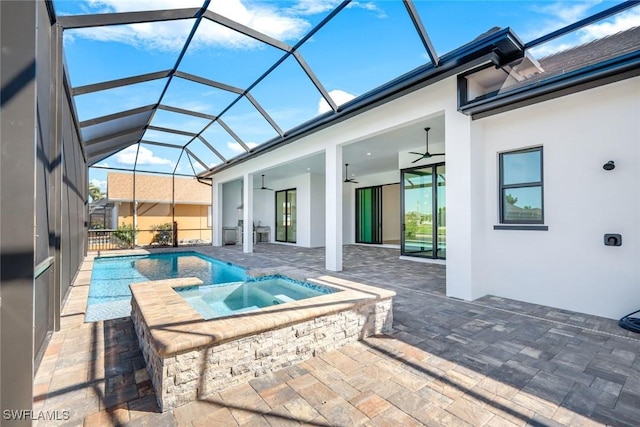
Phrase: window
[521,187]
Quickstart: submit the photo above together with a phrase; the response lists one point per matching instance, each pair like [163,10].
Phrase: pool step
[281,298]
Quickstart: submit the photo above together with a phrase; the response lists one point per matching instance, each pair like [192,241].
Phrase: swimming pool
[109,293]
[213,301]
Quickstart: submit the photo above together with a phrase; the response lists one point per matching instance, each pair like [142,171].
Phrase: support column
[216,214]
[333,208]
[460,211]
[56,160]
[114,215]
[18,126]
[247,214]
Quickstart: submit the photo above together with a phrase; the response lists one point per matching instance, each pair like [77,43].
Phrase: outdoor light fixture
[609,166]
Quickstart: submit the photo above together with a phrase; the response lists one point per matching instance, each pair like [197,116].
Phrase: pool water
[109,293]
[214,301]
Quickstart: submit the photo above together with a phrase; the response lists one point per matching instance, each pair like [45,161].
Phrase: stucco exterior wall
[192,220]
[567,266]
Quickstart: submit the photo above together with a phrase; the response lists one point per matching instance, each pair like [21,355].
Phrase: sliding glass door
[424,212]
[369,215]
[286,216]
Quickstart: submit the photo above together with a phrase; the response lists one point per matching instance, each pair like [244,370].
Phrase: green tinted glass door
[369,215]
[418,229]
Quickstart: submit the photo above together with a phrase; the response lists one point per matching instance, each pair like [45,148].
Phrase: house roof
[156,189]
[593,52]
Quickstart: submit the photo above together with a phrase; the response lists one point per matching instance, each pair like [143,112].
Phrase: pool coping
[176,327]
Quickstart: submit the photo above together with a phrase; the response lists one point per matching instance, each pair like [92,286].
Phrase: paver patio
[493,362]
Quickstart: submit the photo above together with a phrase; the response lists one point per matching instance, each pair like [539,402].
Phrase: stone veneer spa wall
[188,357]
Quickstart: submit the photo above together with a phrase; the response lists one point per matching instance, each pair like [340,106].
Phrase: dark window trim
[286,231]
[502,187]
[521,227]
[434,201]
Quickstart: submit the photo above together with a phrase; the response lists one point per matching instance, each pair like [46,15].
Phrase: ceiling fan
[346,174]
[426,154]
[263,186]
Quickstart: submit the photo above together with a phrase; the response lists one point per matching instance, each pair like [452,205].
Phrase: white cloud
[145,157]
[312,7]
[234,146]
[102,165]
[338,96]
[553,16]
[566,12]
[621,22]
[370,6]
[599,30]
[170,36]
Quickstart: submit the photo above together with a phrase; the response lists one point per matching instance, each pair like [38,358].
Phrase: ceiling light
[308,169]
[368,154]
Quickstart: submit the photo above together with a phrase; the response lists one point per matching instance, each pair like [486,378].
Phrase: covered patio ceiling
[371,155]
[197,86]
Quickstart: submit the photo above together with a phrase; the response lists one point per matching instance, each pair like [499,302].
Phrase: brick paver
[490,362]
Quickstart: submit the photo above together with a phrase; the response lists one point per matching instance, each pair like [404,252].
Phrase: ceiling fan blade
[418,159]
[437,154]
[418,154]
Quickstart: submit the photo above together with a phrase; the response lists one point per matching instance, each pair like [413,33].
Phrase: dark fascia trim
[620,68]
[500,47]
[521,227]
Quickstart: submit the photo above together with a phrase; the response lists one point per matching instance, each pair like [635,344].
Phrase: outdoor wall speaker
[609,166]
[612,239]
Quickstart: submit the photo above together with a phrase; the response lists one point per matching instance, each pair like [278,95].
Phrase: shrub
[126,234]
[162,234]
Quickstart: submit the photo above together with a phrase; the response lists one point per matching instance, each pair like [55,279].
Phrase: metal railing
[112,239]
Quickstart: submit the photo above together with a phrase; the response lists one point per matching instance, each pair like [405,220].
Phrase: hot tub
[189,356]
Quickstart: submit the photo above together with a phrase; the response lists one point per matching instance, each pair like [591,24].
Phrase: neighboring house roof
[156,189]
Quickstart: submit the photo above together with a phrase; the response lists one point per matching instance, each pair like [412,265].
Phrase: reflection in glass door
[286,216]
[424,212]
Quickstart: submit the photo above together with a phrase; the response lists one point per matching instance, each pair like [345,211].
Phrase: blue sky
[367,44]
